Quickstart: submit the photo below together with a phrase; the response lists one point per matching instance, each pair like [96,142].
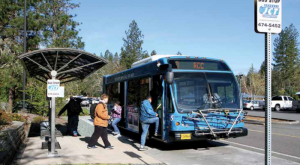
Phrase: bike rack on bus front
[219,111]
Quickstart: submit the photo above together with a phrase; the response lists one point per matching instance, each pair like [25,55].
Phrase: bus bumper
[195,136]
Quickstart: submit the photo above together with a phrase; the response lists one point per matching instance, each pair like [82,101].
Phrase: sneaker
[143,148]
[156,134]
[117,135]
[75,133]
[93,147]
[109,147]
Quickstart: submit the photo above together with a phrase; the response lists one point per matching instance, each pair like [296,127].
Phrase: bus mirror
[164,66]
[169,77]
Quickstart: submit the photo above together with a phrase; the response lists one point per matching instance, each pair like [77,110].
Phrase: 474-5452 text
[270,25]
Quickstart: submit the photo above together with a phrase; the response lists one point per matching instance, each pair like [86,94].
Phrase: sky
[215,28]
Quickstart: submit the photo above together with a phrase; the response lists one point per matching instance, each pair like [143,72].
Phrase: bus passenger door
[156,93]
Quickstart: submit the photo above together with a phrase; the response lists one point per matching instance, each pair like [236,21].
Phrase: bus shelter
[60,65]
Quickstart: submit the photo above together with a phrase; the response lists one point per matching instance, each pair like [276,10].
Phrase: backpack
[92,110]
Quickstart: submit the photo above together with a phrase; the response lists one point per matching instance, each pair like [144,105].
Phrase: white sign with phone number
[268,16]
[54,90]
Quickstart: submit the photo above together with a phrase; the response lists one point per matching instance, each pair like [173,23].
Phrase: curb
[289,122]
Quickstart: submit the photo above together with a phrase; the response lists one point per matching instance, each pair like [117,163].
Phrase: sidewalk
[74,151]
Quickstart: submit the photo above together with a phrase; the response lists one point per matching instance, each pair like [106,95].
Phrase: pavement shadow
[87,139]
[62,129]
[133,138]
[134,155]
[34,130]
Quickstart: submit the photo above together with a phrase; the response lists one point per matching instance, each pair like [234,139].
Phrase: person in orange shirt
[100,123]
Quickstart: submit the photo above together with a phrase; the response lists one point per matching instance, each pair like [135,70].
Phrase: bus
[196,98]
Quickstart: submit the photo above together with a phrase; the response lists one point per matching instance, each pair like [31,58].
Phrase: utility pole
[25,50]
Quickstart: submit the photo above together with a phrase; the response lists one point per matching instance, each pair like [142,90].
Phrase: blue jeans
[145,127]
[114,124]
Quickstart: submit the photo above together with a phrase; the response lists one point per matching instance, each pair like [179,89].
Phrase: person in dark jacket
[148,116]
[73,110]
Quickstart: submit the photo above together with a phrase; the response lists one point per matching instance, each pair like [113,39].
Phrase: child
[116,114]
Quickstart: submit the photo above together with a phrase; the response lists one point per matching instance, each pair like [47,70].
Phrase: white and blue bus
[196,98]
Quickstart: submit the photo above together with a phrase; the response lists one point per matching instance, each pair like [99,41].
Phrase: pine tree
[59,24]
[108,55]
[49,24]
[116,58]
[262,68]
[179,53]
[132,48]
[11,45]
[145,55]
[286,59]
[153,53]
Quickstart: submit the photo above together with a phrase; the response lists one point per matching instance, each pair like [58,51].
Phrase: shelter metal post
[53,153]
[268,131]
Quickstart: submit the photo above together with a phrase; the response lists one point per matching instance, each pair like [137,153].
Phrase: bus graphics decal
[133,118]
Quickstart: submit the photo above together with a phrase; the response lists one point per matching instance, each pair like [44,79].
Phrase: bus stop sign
[53,89]
[268,16]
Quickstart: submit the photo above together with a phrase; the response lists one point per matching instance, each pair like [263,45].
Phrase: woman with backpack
[116,114]
[100,123]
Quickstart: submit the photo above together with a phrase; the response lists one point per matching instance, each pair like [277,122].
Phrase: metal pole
[52,151]
[25,50]
[268,94]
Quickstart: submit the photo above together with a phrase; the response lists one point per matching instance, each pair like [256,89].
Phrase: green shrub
[5,118]
[38,119]
[19,117]
[85,112]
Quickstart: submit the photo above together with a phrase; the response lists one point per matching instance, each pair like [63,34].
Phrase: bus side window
[156,94]
[144,88]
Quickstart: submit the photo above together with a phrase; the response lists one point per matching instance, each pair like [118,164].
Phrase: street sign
[53,89]
[268,16]
[268,20]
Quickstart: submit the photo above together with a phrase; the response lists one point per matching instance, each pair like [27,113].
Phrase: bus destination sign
[199,65]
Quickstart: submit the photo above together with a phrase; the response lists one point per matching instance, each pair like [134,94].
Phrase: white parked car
[95,101]
[85,102]
[253,104]
[282,102]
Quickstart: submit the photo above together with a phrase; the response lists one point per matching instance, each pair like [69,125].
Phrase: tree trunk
[10,99]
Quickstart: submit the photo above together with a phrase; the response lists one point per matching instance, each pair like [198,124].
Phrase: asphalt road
[285,137]
[284,114]
[285,146]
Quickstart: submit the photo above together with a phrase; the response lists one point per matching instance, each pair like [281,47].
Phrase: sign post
[53,90]
[268,20]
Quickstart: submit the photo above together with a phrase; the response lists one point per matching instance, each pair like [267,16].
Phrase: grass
[85,111]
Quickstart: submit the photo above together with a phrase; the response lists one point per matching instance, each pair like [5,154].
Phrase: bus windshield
[197,91]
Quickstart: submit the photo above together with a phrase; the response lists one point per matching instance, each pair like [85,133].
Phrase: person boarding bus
[148,116]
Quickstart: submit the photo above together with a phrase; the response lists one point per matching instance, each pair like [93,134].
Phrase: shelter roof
[70,64]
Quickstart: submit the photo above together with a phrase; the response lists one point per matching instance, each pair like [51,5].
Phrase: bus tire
[277,107]
[298,110]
